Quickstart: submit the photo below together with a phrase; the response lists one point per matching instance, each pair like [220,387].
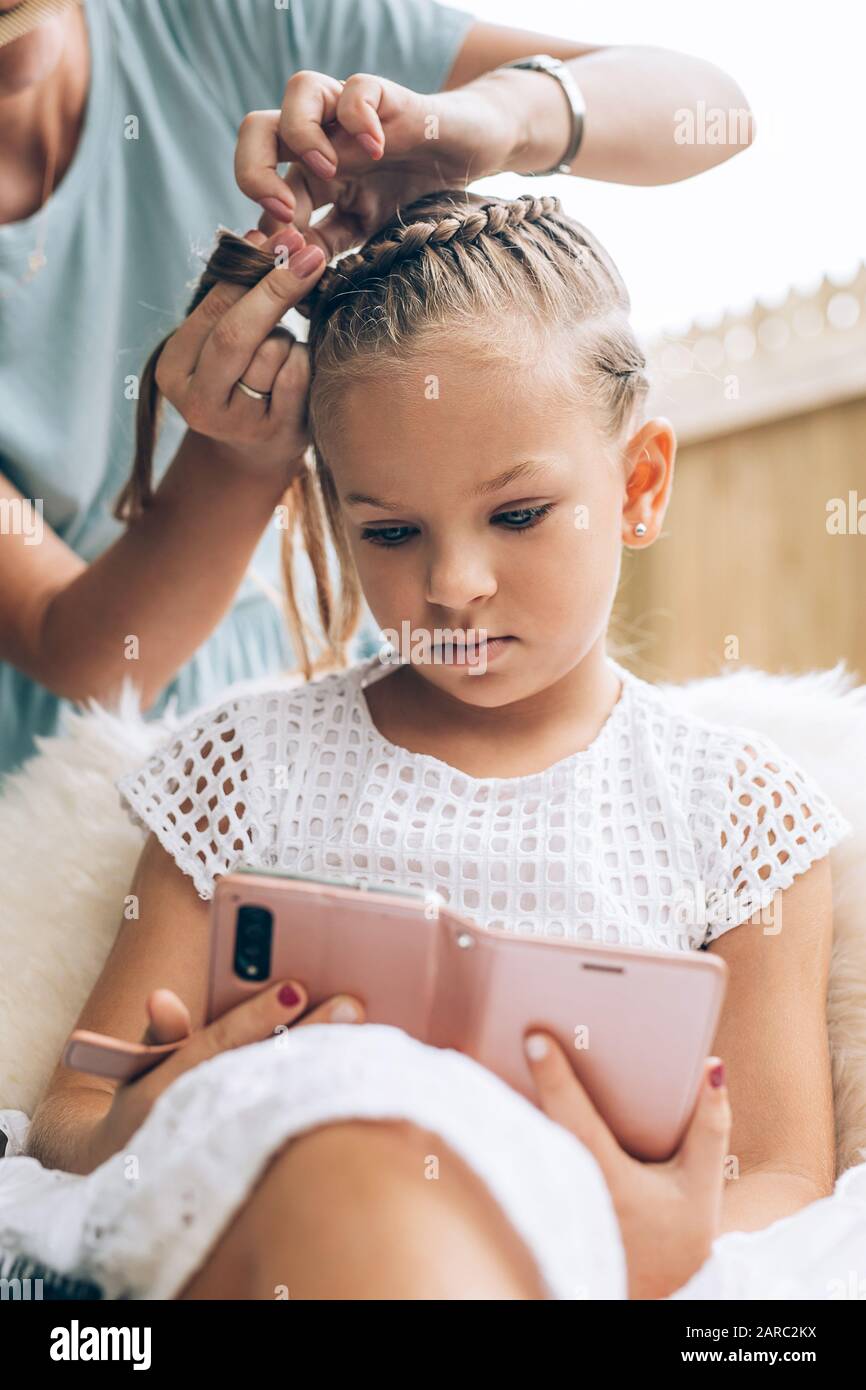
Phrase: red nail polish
[717,1075]
[288,996]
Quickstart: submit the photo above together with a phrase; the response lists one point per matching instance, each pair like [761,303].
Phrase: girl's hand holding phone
[669,1213]
[234,336]
[257,1018]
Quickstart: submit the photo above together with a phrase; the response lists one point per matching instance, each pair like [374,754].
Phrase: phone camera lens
[253,939]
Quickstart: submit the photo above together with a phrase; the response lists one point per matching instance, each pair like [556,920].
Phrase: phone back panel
[380,947]
[636,1024]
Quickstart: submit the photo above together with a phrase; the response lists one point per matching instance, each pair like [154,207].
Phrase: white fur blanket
[67,854]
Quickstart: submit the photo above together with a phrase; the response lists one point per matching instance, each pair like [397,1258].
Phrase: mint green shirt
[124,234]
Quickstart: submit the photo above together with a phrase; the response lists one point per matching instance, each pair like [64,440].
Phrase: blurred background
[748,288]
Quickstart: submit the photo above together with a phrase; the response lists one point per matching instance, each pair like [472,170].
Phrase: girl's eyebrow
[530,468]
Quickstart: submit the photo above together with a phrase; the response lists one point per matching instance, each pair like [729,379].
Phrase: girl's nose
[459,581]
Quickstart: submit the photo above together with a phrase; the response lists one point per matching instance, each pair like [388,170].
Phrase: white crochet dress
[666,831]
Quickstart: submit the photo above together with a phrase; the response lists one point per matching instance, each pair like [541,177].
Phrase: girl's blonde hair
[517,278]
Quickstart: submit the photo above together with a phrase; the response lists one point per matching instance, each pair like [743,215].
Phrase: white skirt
[141,1224]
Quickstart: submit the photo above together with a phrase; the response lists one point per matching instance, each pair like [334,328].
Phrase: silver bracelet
[542,62]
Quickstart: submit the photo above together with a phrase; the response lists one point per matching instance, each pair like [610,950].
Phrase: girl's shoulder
[715,762]
[755,816]
[213,789]
[262,707]
[695,747]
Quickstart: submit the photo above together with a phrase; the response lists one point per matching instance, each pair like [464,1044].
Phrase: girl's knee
[371,1209]
[396,1186]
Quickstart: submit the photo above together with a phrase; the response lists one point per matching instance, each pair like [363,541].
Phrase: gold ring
[253,393]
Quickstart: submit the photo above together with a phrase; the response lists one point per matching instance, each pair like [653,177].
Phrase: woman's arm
[653,116]
[633,94]
[773,1039]
[166,581]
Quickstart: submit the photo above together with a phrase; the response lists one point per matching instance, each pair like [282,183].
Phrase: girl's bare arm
[166,947]
[773,1037]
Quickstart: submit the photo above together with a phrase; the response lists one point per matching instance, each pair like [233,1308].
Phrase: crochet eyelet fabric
[665,832]
[663,814]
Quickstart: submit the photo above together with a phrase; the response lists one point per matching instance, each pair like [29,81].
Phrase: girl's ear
[649,465]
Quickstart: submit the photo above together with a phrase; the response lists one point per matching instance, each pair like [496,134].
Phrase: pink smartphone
[637,1024]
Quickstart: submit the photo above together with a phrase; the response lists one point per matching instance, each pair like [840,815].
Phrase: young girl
[481,457]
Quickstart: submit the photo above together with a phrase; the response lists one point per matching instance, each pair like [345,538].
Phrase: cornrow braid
[404,240]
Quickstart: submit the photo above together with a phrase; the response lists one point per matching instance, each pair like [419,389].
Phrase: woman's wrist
[227,463]
[535,117]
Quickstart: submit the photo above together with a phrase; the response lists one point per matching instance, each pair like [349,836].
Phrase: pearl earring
[640,529]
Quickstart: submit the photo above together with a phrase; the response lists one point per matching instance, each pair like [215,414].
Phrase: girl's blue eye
[385,536]
[526,518]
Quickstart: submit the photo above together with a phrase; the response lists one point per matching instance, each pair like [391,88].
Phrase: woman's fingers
[310,103]
[353,215]
[358,207]
[267,363]
[231,345]
[258,152]
[313,101]
[291,383]
[305,193]
[269,138]
[564,1100]
[327,125]
[181,353]
[358,112]
[355,113]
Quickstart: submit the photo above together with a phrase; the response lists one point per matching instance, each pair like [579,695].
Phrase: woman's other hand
[366,145]
[234,335]
[261,1016]
[669,1213]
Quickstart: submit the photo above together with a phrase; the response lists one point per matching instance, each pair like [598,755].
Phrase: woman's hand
[669,1213]
[233,335]
[367,145]
[256,1018]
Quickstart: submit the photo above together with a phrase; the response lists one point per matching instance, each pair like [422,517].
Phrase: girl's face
[471,504]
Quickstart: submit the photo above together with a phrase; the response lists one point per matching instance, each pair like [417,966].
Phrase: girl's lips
[480,653]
